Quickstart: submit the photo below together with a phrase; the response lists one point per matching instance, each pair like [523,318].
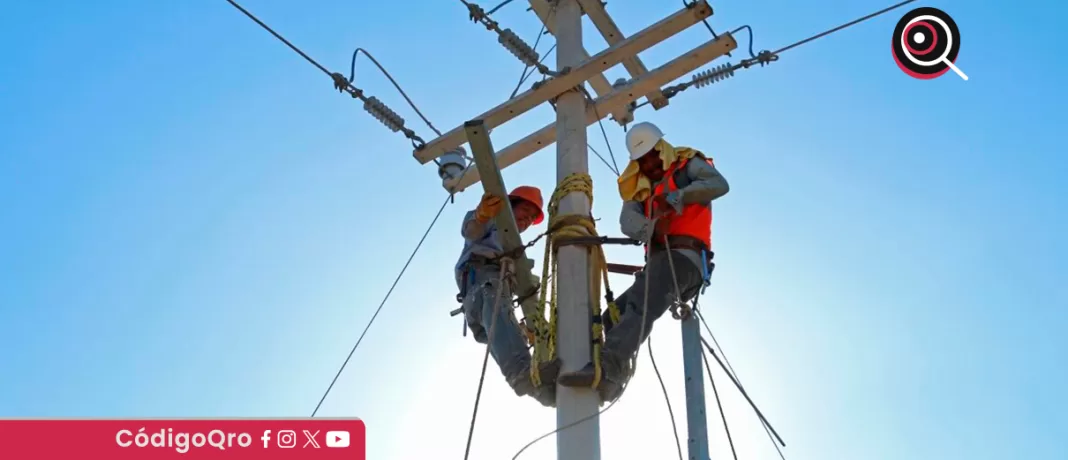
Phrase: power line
[507,38]
[843,26]
[499,6]
[741,390]
[372,105]
[734,375]
[283,39]
[524,75]
[762,58]
[719,404]
[352,78]
[382,304]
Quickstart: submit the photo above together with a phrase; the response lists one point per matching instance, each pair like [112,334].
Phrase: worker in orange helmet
[667,193]
[478,275]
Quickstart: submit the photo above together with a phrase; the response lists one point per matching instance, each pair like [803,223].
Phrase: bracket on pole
[507,231]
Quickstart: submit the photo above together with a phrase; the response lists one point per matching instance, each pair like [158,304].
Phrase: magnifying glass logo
[925,44]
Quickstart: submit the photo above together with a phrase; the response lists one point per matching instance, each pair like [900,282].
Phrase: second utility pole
[582,441]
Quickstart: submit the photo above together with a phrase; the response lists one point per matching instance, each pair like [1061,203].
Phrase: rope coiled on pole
[562,227]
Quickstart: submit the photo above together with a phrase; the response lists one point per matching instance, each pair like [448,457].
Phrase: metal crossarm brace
[555,86]
[599,82]
[594,9]
[507,231]
[656,78]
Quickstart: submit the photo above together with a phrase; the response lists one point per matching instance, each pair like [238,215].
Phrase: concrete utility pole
[583,441]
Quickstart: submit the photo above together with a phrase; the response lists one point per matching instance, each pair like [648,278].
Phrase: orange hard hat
[531,194]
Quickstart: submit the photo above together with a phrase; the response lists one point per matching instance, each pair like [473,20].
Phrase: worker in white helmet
[667,193]
[478,275]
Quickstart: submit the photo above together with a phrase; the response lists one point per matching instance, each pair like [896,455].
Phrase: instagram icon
[287,439]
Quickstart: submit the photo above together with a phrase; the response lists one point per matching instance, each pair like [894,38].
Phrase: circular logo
[925,44]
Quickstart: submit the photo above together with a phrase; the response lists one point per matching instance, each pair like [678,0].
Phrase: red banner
[196,439]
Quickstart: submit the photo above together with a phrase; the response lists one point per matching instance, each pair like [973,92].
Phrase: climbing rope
[562,228]
[504,284]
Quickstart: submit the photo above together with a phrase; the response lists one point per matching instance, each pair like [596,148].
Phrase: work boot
[613,369]
[546,395]
[610,390]
[521,384]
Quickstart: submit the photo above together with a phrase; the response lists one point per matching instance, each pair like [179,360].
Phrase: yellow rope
[570,226]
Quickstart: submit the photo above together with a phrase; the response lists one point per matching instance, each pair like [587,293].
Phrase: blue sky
[195,224]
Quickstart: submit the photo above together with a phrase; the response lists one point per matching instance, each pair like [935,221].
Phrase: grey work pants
[508,347]
[623,339]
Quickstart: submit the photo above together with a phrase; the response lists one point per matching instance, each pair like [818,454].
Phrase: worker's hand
[662,207]
[488,208]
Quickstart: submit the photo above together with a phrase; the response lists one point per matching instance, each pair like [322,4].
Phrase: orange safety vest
[695,221]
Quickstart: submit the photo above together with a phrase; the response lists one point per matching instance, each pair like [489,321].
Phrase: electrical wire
[734,375]
[719,404]
[352,78]
[749,29]
[745,394]
[499,6]
[507,37]
[371,104]
[449,199]
[604,134]
[382,304]
[765,57]
[843,26]
[281,38]
[705,22]
[614,167]
[527,72]
[611,166]
[524,75]
[667,399]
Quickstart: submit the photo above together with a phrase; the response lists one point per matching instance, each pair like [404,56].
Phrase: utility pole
[582,441]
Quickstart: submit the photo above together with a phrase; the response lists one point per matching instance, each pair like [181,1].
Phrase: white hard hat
[641,138]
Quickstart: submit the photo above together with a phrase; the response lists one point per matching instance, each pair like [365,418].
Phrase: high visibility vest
[695,221]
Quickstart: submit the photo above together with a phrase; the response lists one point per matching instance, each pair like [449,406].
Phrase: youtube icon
[337,439]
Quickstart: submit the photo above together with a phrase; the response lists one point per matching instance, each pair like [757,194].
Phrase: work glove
[488,208]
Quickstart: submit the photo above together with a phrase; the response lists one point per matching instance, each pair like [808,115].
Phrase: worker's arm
[632,221]
[705,184]
[472,229]
[478,223]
